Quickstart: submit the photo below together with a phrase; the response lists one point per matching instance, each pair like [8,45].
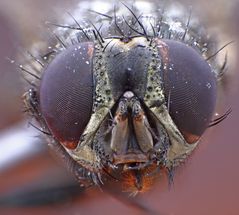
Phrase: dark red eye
[190,88]
[66,93]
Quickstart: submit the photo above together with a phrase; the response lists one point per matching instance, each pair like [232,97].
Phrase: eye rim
[190,138]
[82,56]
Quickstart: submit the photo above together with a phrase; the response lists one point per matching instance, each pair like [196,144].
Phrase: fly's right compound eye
[66,93]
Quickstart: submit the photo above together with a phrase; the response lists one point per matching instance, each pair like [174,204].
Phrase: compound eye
[66,93]
[190,89]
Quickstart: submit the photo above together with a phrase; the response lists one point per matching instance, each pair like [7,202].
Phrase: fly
[125,96]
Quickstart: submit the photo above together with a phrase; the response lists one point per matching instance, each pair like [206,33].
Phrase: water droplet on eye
[208,85]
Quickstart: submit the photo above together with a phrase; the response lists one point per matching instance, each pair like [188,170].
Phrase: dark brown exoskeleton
[123,101]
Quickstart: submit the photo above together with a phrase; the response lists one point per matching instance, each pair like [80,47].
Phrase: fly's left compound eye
[66,93]
[190,89]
